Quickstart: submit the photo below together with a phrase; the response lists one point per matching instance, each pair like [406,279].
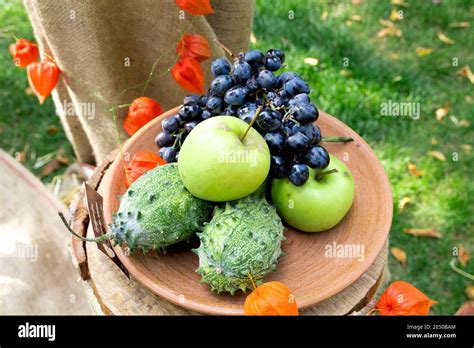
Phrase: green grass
[441,199]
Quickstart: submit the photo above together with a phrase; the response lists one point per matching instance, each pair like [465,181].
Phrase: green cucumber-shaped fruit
[157,211]
[241,242]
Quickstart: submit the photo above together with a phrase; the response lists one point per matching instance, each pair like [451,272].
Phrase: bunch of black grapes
[286,117]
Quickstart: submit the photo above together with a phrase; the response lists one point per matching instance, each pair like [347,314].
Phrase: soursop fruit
[241,239]
[157,211]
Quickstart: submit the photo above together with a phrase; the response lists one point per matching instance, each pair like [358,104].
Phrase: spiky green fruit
[157,211]
[242,239]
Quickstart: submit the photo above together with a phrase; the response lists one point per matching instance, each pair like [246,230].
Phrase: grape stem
[178,138]
[320,175]
[336,139]
[228,51]
[257,113]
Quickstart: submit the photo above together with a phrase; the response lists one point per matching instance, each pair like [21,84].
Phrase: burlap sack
[105,46]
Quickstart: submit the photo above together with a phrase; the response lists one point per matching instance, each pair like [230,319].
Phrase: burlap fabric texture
[105,46]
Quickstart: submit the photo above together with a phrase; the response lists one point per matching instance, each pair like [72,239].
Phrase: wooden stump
[119,295]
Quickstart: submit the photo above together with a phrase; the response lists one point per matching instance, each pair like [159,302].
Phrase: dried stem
[320,175]
[228,51]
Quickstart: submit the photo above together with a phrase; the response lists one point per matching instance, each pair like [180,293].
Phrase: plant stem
[252,122]
[228,51]
[327,172]
[336,139]
[456,269]
[97,240]
[119,107]
[178,137]
[150,76]
[251,279]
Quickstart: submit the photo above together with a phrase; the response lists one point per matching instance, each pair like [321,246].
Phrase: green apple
[320,203]
[216,165]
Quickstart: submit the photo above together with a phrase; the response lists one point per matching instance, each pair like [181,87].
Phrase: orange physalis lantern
[194,46]
[188,74]
[272,298]
[42,77]
[402,298]
[24,52]
[141,162]
[141,111]
[195,7]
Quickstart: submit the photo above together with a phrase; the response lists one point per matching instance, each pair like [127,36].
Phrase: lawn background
[442,198]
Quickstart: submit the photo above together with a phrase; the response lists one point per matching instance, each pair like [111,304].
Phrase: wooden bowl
[307,267]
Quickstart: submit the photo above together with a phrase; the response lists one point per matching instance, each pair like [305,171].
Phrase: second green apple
[319,204]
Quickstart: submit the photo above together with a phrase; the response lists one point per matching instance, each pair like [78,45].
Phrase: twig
[327,172]
[228,51]
[252,122]
[456,269]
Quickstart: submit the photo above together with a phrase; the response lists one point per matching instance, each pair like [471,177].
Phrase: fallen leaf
[397,79]
[438,155]
[400,3]
[62,159]
[467,308]
[459,25]
[403,203]
[394,55]
[423,232]
[413,170]
[442,112]
[399,254]
[253,39]
[445,39]
[324,15]
[467,148]
[346,73]
[389,30]
[52,129]
[356,18]
[384,32]
[463,255]
[422,51]
[20,156]
[394,15]
[386,23]
[470,291]
[466,72]
[459,123]
[311,61]
[434,141]
[50,167]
